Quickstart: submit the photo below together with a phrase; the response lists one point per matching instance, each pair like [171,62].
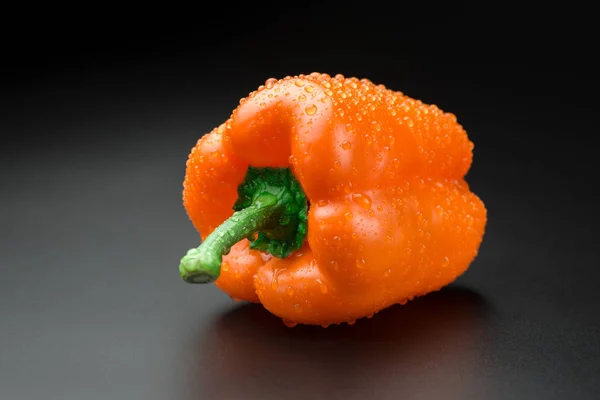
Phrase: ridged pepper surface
[328,199]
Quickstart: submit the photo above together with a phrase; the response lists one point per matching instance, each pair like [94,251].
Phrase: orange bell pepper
[327,199]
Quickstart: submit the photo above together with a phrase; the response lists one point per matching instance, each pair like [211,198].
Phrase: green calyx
[271,212]
[284,233]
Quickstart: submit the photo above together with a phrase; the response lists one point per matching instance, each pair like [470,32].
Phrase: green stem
[271,211]
[203,264]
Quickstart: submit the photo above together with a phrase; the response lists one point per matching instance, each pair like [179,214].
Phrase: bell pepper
[328,199]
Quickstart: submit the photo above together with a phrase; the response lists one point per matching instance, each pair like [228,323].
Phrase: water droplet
[299,82]
[446,262]
[322,203]
[302,97]
[309,89]
[370,316]
[361,263]
[290,324]
[292,159]
[348,216]
[263,104]
[387,273]
[323,288]
[346,145]
[362,200]
[290,290]
[225,266]
[335,265]
[311,109]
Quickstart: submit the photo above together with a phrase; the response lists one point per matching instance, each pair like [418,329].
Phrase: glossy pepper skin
[390,215]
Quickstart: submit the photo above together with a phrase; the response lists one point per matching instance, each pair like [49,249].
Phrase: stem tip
[199,267]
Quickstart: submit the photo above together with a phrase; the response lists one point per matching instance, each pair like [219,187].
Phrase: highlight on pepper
[328,199]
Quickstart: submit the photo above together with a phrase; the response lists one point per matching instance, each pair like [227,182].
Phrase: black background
[99,109]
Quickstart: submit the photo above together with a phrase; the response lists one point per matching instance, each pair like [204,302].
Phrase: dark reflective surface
[428,347]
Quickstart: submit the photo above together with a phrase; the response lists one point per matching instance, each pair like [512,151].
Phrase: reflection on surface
[425,349]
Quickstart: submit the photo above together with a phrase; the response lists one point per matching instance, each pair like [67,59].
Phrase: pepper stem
[203,264]
[270,203]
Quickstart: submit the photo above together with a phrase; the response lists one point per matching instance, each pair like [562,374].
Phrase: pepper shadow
[427,348]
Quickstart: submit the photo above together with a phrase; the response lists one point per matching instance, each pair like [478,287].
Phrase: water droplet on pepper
[362,200]
[311,109]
